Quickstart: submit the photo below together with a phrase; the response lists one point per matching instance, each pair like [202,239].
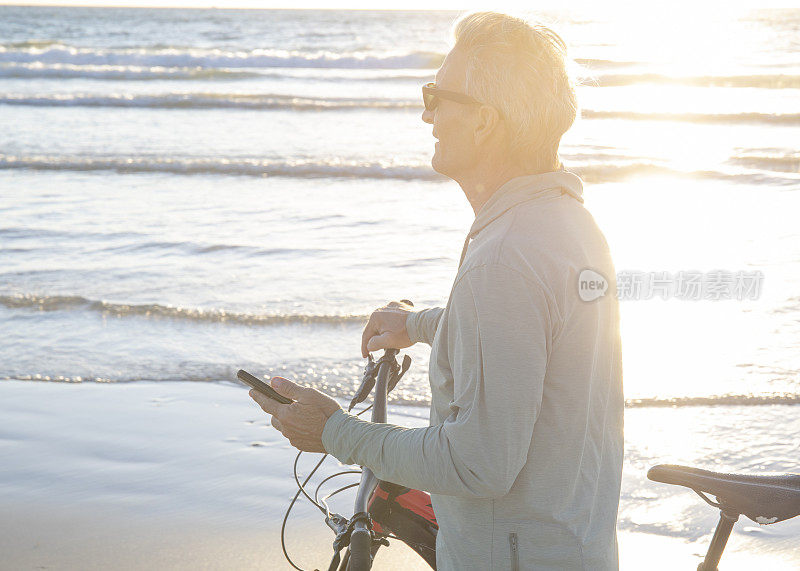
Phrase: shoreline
[179,475]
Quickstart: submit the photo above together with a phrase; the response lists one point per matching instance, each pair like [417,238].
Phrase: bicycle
[384,510]
[765,499]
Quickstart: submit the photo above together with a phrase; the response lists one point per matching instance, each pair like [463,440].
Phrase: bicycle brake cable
[301,489]
[316,492]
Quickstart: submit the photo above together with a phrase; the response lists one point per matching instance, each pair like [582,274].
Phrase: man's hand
[302,421]
[386,329]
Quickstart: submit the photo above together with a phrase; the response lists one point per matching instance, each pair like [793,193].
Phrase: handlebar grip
[360,547]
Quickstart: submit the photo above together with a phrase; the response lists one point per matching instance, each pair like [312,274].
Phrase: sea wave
[195,248]
[595,172]
[347,374]
[732,118]
[159,311]
[599,173]
[723,400]
[47,378]
[411,398]
[267,101]
[244,167]
[592,63]
[37,58]
[120,72]
[136,73]
[29,44]
[768,81]
[780,162]
[38,69]
[216,58]
[47,51]
[207,101]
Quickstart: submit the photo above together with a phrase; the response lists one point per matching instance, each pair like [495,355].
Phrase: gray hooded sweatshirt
[523,455]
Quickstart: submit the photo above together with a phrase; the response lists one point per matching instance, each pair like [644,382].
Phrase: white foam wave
[183,100]
[216,58]
[333,168]
[781,162]
[722,400]
[143,73]
[769,81]
[730,118]
[341,168]
[158,311]
[118,72]
[593,63]
[399,396]
[615,171]
[206,100]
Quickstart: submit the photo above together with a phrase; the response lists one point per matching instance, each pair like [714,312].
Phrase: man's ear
[486,124]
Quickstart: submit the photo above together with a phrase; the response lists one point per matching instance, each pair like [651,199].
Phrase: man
[523,454]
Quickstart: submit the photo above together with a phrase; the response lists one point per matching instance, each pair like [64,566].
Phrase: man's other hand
[386,329]
[302,421]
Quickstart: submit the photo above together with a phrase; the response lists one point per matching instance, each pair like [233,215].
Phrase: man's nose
[427,117]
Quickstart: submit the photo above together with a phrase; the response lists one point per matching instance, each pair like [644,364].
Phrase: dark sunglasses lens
[429,99]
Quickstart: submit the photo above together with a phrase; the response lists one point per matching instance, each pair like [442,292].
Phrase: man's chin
[436,163]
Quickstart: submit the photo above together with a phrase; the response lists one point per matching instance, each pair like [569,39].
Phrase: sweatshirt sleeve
[421,325]
[498,340]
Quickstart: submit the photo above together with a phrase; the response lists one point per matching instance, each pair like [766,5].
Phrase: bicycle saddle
[764,499]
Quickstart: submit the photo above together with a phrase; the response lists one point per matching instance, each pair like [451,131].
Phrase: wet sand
[191,476]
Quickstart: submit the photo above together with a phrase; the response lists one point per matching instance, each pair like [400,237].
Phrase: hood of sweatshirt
[519,190]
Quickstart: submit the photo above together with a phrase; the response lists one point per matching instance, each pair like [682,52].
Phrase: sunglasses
[432,94]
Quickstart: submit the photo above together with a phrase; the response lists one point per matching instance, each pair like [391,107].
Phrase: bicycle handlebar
[360,547]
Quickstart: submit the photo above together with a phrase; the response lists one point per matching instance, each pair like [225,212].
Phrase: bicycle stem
[368,479]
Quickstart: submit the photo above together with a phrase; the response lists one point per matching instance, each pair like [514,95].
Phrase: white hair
[520,69]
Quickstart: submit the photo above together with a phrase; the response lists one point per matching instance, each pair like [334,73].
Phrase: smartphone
[262,387]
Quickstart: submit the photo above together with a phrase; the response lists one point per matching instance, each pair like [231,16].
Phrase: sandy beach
[151,476]
[191,476]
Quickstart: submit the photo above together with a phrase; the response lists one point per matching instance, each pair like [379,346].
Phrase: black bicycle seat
[764,499]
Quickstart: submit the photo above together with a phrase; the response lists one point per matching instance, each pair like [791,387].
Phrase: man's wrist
[411,326]
[329,409]
[331,430]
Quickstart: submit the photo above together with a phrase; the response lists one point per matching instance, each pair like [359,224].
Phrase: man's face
[455,150]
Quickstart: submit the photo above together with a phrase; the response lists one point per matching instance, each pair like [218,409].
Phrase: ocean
[184,193]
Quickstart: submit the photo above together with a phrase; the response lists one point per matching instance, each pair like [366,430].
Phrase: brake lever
[338,523]
[399,375]
[367,383]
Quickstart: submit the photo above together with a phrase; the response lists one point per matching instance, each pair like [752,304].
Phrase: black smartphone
[262,387]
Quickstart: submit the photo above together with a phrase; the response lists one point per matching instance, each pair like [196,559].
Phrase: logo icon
[591,285]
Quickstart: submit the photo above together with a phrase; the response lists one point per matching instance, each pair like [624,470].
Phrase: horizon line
[468,6]
[553,7]
[181,7]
